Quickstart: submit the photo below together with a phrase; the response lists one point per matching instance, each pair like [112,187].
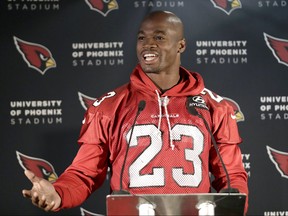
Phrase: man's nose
[149,42]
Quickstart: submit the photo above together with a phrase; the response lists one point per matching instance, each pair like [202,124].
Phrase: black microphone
[191,109]
[141,106]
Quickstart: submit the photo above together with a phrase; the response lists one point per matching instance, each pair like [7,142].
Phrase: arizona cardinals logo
[227,5]
[279,48]
[85,100]
[102,6]
[238,114]
[39,167]
[280,160]
[35,55]
[84,212]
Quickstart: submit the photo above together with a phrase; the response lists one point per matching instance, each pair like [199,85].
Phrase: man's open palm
[42,193]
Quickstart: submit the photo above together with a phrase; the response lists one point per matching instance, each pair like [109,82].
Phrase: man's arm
[232,158]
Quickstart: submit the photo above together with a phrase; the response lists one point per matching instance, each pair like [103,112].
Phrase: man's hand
[42,193]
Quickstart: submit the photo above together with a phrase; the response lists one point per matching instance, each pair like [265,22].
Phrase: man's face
[158,45]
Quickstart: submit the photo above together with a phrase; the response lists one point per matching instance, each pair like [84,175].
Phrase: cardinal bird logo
[35,55]
[38,166]
[102,6]
[85,100]
[84,212]
[238,114]
[227,5]
[279,48]
[280,160]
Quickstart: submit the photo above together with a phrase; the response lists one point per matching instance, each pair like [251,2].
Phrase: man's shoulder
[111,97]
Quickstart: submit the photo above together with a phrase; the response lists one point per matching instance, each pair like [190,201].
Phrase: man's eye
[141,38]
[159,38]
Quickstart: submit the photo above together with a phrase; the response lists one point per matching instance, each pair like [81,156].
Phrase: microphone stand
[141,107]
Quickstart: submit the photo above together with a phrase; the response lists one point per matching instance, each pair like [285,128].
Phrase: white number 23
[157,177]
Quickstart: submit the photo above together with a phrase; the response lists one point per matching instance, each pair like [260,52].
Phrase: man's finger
[31,176]
[26,193]
[50,206]
[35,199]
[42,202]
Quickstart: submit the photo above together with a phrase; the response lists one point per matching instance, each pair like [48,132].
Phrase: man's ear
[182,45]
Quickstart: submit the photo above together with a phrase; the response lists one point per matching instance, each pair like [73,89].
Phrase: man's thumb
[30,175]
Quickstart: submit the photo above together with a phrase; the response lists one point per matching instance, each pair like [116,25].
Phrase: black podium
[176,204]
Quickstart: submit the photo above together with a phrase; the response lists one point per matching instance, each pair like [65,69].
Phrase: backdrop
[59,55]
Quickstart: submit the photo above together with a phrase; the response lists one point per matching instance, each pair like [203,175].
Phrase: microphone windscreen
[141,105]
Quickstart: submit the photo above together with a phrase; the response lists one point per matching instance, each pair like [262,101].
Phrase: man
[151,131]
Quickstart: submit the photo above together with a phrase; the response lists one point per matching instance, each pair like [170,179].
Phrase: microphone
[191,109]
[141,106]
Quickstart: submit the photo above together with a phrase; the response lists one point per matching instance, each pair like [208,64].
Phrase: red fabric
[152,167]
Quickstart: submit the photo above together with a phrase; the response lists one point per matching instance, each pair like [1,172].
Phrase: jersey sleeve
[88,170]
[232,158]
[226,133]
[225,128]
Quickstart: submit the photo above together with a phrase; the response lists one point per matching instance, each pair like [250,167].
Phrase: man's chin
[149,68]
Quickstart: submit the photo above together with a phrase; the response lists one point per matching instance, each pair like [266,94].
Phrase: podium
[176,204]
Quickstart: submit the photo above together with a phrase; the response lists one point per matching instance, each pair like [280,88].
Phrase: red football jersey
[159,146]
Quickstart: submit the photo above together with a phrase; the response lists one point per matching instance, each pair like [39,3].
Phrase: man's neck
[164,81]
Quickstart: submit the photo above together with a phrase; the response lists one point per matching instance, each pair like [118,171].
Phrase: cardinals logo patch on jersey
[238,114]
[280,160]
[102,6]
[227,5]
[38,166]
[35,55]
[279,48]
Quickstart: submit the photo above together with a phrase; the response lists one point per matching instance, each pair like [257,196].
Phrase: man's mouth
[150,57]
